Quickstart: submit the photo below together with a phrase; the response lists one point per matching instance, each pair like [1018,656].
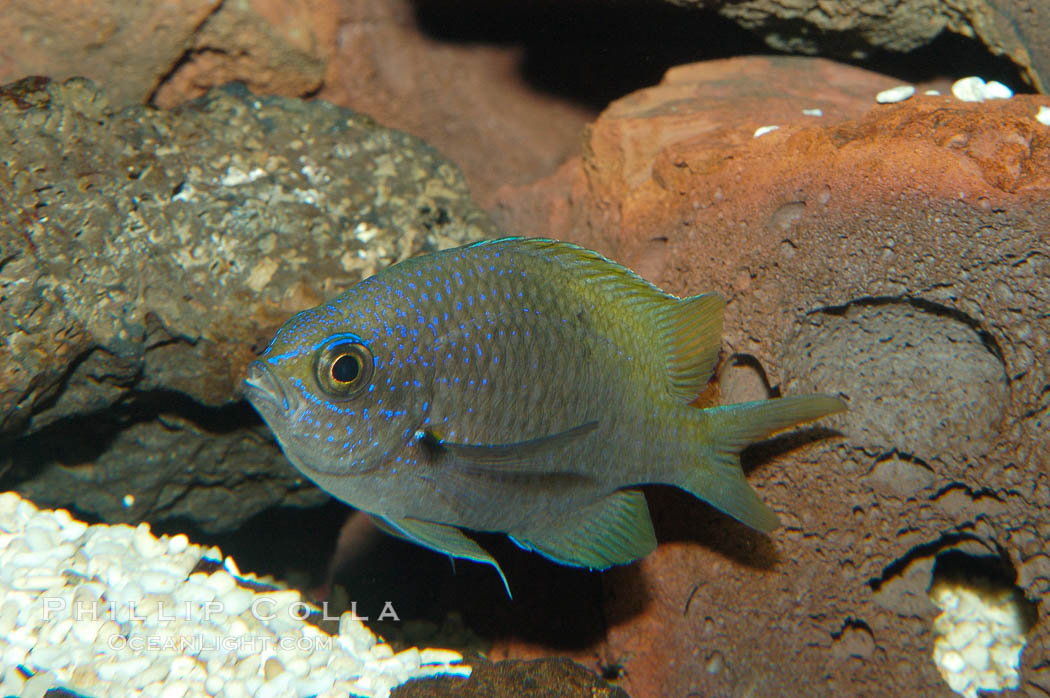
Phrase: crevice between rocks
[80,439]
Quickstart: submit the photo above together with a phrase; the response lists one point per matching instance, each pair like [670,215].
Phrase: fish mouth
[262,387]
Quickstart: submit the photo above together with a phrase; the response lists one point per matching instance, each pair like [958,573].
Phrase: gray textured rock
[144,254]
[889,352]
[1016,28]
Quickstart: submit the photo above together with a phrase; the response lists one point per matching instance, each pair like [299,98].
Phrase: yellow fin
[692,336]
[615,530]
[687,329]
[718,479]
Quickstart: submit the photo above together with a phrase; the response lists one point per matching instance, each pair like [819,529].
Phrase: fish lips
[280,405]
[267,392]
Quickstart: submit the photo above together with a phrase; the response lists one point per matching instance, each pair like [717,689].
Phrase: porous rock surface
[144,256]
[131,49]
[896,255]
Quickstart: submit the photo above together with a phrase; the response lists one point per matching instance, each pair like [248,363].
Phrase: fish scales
[520,386]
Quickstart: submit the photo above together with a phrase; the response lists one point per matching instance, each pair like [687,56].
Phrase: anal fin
[441,538]
[613,531]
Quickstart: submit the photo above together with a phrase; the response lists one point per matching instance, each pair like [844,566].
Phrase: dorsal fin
[688,330]
[693,334]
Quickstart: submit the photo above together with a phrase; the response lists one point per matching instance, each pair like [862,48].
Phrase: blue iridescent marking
[281,357]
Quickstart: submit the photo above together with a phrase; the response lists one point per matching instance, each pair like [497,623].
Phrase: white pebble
[58,630]
[213,684]
[86,630]
[975,89]
[932,93]
[14,655]
[316,683]
[38,539]
[193,593]
[8,616]
[12,684]
[297,666]
[434,656]
[37,582]
[231,566]
[236,601]
[181,666]
[997,90]
[145,543]
[410,658]
[381,651]
[176,689]
[813,112]
[895,94]
[969,89]
[234,688]
[763,130]
[157,582]
[178,543]
[72,530]
[155,673]
[1043,115]
[37,685]
[953,661]
[221,581]
[49,657]
[275,687]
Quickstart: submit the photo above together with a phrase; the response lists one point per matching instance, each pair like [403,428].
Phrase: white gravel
[113,611]
[975,89]
[978,637]
[895,94]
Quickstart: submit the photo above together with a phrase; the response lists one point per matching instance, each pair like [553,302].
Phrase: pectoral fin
[439,537]
[521,457]
[613,531]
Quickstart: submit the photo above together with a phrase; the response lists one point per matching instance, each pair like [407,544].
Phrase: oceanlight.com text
[243,645]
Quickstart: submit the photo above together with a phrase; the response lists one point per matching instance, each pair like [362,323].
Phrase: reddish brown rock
[469,100]
[172,51]
[273,46]
[126,46]
[894,254]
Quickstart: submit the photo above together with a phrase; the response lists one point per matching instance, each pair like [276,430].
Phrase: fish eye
[344,368]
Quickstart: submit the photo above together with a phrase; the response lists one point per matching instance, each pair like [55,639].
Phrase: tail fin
[719,480]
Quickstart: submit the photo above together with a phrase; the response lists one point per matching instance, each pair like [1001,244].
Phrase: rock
[468,98]
[894,254]
[1016,28]
[125,45]
[273,46]
[131,49]
[540,678]
[144,256]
